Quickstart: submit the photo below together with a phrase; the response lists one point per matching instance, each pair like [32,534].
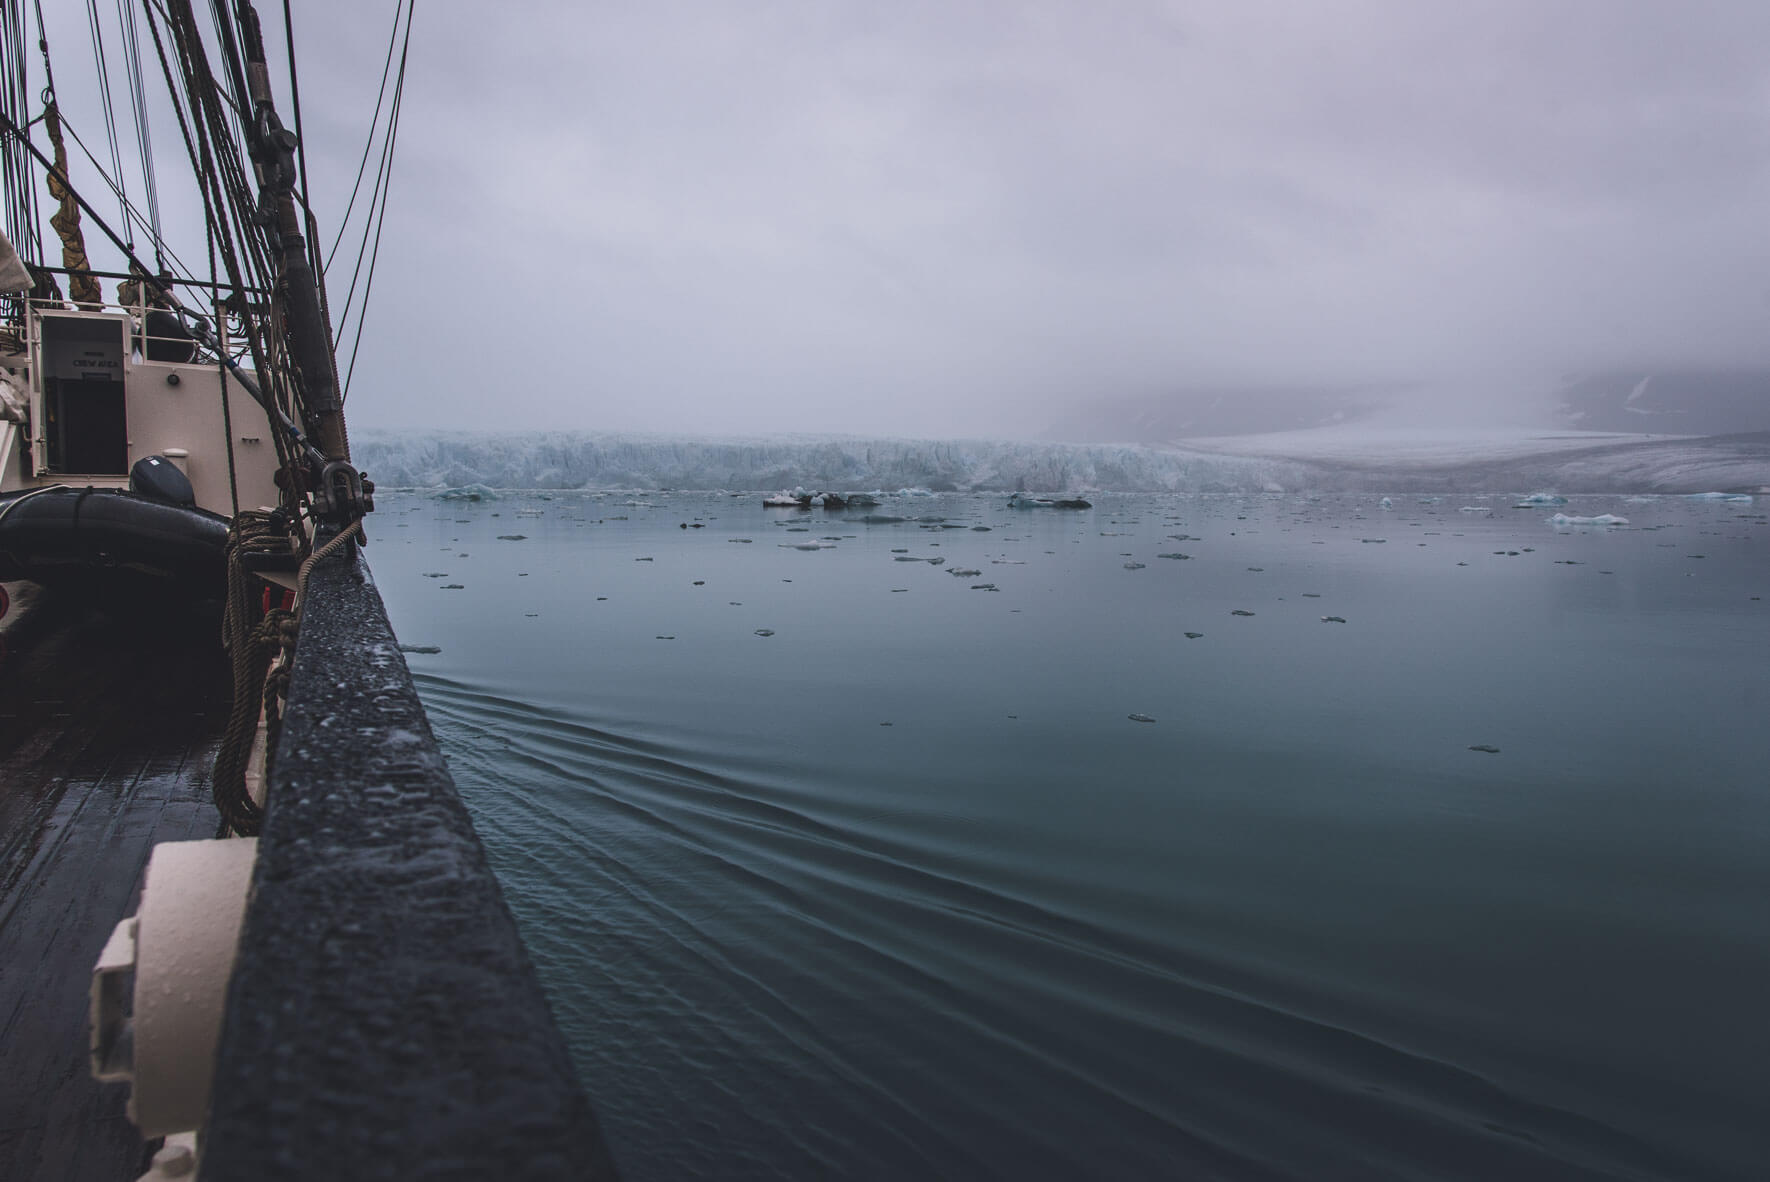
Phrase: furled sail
[13,275]
[81,286]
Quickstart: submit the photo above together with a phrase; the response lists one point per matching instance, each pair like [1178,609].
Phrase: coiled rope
[254,639]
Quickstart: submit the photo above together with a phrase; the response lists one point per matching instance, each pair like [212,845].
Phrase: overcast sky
[936,218]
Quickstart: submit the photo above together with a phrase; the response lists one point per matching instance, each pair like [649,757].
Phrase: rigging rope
[143,132]
[369,142]
[377,215]
[102,68]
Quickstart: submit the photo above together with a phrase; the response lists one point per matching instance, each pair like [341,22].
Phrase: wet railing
[384,1019]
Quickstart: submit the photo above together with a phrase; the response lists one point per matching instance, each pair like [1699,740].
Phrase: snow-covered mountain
[1670,401]
[1336,459]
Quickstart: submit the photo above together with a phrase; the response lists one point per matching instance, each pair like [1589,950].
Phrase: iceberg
[466,492]
[1731,498]
[1541,498]
[1601,519]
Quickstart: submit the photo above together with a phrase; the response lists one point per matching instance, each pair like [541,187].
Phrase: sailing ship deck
[107,730]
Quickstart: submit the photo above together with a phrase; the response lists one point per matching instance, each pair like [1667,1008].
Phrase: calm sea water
[934,880]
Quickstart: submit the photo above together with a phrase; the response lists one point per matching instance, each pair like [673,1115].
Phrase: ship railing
[383,1019]
[151,338]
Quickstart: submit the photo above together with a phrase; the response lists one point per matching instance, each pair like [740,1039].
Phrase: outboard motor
[156,477]
[166,337]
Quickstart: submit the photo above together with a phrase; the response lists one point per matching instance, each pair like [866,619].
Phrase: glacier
[1324,461]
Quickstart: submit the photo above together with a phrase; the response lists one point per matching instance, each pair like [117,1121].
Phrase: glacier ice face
[914,467]
[1323,462]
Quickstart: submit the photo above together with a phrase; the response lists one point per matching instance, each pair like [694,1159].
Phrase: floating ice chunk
[783,501]
[1386,503]
[915,492]
[1737,498]
[1542,498]
[1601,519]
[1475,509]
[466,492]
[1023,501]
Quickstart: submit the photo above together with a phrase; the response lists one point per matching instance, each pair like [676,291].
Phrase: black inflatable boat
[60,534]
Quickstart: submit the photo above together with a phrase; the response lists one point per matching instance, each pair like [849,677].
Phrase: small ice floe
[1476,509]
[1333,619]
[466,492]
[744,540]
[820,545]
[1193,635]
[436,574]
[453,587]
[765,631]
[1239,612]
[1385,503]
[1373,541]
[1734,498]
[1485,748]
[1601,519]
[1139,718]
[964,573]
[1540,498]
[1176,554]
[984,587]
[513,537]
[881,519]
[1133,566]
[1023,501]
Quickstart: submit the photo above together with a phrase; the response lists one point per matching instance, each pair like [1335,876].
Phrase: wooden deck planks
[107,728]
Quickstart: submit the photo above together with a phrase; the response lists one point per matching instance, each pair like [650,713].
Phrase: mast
[339,496]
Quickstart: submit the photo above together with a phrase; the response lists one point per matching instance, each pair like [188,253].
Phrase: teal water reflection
[900,889]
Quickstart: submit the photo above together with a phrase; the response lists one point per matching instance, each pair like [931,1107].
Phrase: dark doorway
[87,426]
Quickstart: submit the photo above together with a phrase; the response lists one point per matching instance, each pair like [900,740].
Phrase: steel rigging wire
[102,68]
[376,218]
